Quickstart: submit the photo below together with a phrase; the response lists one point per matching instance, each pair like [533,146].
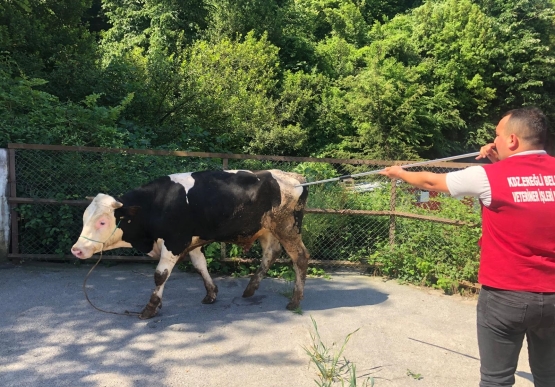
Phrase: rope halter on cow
[127,313]
[93,240]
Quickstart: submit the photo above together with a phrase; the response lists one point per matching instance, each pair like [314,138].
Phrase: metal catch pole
[340,178]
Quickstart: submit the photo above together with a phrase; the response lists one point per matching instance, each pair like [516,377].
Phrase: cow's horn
[89,198]
[117,204]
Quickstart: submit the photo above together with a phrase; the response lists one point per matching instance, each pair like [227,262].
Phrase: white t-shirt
[473,181]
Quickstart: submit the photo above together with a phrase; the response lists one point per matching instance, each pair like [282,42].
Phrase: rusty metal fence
[365,222]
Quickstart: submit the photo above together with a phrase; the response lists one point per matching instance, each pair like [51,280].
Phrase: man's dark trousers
[504,318]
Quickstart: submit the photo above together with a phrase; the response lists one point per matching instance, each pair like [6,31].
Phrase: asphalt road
[51,336]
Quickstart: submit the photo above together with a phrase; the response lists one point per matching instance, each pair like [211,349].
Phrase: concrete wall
[4,209]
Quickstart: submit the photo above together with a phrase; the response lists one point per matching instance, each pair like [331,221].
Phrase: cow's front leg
[199,262]
[163,271]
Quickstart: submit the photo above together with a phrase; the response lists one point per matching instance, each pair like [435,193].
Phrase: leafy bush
[430,253]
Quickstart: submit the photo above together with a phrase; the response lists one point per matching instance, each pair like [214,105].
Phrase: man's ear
[512,141]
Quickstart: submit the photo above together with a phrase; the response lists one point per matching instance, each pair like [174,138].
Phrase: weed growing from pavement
[333,367]
[413,375]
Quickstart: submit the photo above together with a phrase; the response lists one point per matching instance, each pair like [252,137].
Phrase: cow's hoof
[292,305]
[211,295]
[249,292]
[149,311]
[251,288]
[209,299]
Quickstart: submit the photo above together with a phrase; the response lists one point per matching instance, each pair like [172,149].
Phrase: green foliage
[285,272]
[433,254]
[52,229]
[229,84]
[414,375]
[48,41]
[29,115]
[383,79]
[344,237]
[333,368]
[317,272]
[154,26]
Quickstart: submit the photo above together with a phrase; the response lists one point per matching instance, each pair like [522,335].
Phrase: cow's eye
[102,223]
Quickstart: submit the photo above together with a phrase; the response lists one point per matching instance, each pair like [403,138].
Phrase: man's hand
[489,152]
[393,172]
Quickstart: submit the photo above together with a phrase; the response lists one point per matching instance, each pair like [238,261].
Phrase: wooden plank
[388,213]
[17,200]
[307,210]
[317,262]
[228,155]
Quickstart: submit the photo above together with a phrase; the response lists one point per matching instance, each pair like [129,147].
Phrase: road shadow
[51,336]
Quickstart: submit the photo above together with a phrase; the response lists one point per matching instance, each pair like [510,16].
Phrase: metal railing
[346,223]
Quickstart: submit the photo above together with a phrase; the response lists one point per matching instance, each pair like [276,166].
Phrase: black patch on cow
[156,210]
[227,206]
[160,278]
[221,206]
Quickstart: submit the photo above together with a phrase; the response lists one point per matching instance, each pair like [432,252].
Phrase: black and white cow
[177,214]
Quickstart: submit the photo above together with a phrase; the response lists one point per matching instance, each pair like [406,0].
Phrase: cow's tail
[298,212]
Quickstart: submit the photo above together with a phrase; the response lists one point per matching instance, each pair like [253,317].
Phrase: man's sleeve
[471,181]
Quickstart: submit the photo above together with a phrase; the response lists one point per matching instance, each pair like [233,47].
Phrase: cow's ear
[117,204]
[132,210]
[89,198]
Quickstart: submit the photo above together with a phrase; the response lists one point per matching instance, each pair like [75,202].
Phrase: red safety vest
[518,228]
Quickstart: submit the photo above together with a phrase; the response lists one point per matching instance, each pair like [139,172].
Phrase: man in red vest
[517,260]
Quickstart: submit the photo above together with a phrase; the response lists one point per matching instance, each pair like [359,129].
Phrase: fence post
[223,252]
[392,201]
[13,194]
[4,207]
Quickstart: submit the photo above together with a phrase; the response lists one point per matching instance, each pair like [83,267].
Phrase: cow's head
[100,229]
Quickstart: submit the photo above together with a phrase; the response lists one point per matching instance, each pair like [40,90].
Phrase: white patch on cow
[294,183]
[167,259]
[156,249]
[199,262]
[167,262]
[185,179]
[238,170]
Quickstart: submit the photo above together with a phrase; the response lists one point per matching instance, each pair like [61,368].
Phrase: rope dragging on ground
[126,313]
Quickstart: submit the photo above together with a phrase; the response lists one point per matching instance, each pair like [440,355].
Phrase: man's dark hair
[529,124]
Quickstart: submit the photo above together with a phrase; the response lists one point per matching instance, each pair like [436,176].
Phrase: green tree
[153,25]
[230,84]
[29,115]
[48,40]
[523,52]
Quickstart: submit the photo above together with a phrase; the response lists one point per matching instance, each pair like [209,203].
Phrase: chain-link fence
[368,221]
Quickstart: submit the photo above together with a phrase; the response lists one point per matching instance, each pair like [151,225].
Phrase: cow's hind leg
[294,246]
[271,250]
[161,275]
[199,262]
